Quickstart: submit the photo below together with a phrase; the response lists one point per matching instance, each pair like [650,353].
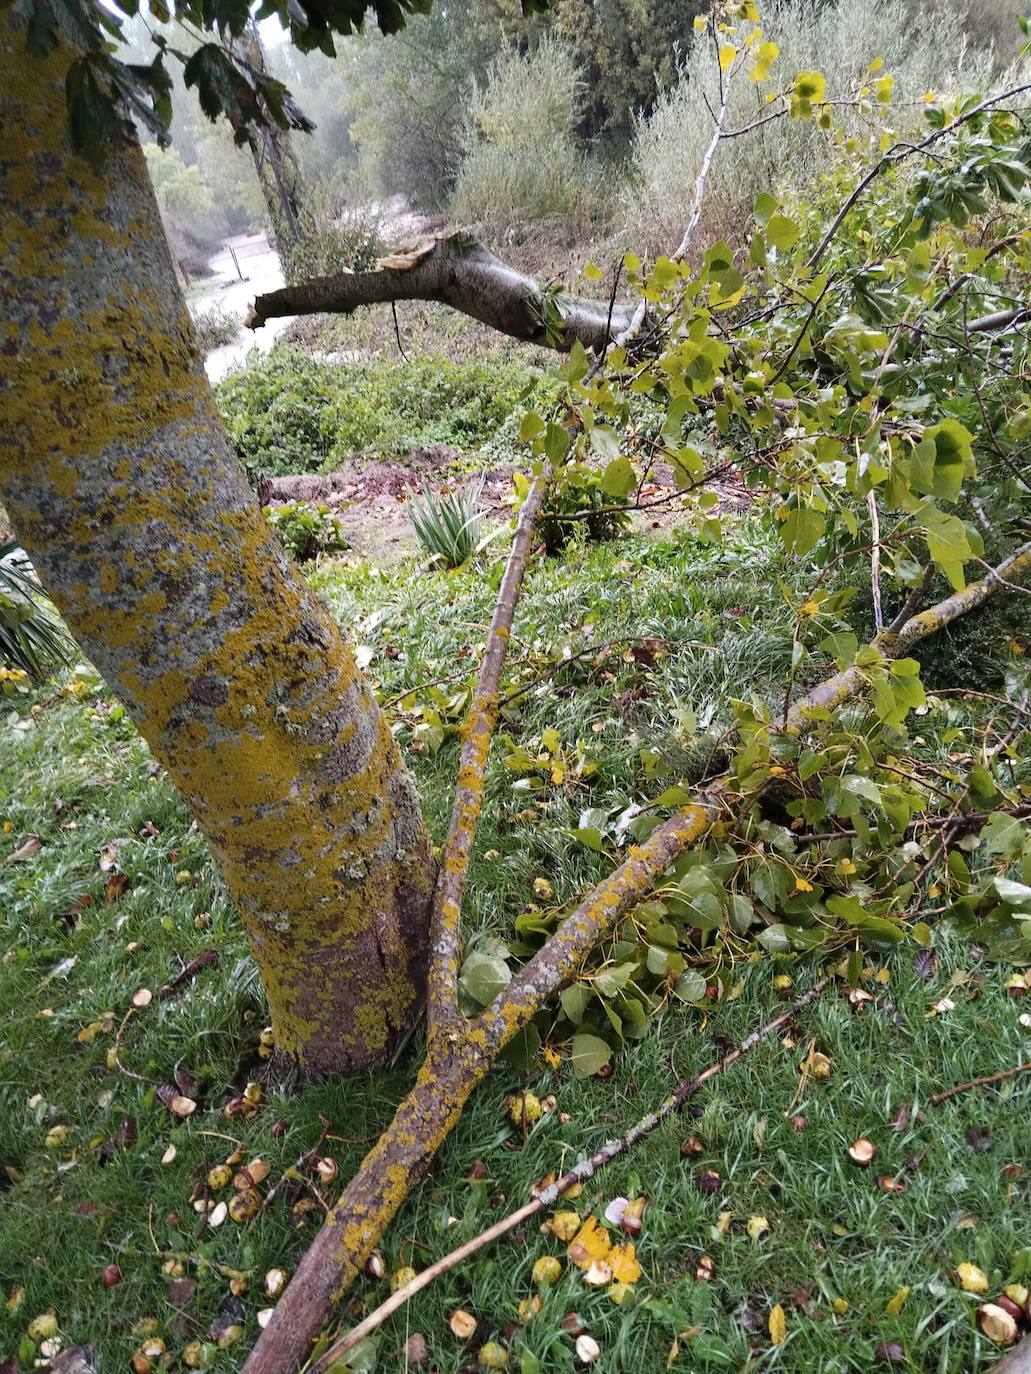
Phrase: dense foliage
[290,413]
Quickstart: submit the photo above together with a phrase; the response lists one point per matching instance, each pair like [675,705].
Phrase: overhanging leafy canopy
[104,93]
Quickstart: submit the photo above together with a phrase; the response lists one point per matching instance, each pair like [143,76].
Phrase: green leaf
[589,1054]
[556,442]
[1014,894]
[1003,834]
[781,232]
[591,836]
[575,1000]
[802,530]
[690,986]
[483,976]
[618,479]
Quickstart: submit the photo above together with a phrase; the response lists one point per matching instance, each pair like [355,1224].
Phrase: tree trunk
[124,490]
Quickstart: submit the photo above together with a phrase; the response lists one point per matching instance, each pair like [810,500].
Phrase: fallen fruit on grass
[265,1316]
[401,1276]
[691,1148]
[706,1270]
[275,1282]
[587,1349]
[169,1155]
[631,1221]
[524,1108]
[245,1205]
[757,1228]
[56,1136]
[1008,1305]
[709,1181]
[819,1065]
[492,1356]
[972,1279]
[572,1324]
[862,1150]
[255,1172]
[891,1352]
[564,1225]
[529,1307]
[326,1169]
[547,1270]
[112,1275]
[198,1354]
[142,997]
[43,1326]
[376,1265]
[997,1324]
[219,1177]
[462,1323]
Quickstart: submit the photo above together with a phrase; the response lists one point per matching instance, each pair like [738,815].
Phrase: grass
[73,771]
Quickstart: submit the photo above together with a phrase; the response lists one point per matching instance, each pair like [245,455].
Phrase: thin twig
[874,559]
[547,1197]
[980,1082]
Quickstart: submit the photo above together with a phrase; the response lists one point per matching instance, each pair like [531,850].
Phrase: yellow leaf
[552,1056]
[840,1306]
[882,89]
[590,1243]
[897,1303]
[802,886]
[623,1263]
[778,1325]
[727,54]
[875,65]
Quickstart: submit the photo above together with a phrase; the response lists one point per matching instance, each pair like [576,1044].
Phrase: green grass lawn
[838,1248]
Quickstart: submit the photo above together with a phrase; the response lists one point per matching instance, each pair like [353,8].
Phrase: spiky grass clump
[32,638]
[448,525]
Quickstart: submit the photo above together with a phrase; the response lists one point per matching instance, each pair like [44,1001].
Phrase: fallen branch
[477,732]
[579,1173]
[1015,1361]
[458,271]
[984,1082]
[460,1056]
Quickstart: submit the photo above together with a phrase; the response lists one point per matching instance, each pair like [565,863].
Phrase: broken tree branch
[477,732]
[458,271]
[461,1057]
[584,1169]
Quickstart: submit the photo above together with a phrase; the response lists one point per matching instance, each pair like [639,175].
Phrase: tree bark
[124,490]
[457,271]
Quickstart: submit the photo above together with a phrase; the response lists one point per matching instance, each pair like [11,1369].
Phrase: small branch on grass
[984,1082]
[207,958]
[580,1173]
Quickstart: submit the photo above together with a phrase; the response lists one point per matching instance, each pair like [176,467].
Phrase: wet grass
[838,1247]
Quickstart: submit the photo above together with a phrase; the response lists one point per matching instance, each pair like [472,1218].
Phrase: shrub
[522,160]
[448,525]
[576,488]
[333,239]
[306,529]
[287,413]
[214,327]
[786,155]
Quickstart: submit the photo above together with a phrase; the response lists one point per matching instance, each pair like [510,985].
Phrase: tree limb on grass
[584,1169]
[458,271]
[461,1056]
[477,733]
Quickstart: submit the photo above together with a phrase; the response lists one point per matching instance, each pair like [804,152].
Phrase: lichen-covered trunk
[122,485]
